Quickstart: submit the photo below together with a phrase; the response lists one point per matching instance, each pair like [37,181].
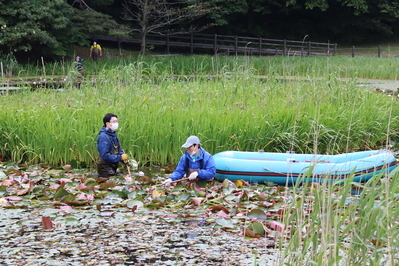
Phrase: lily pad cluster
[194,215]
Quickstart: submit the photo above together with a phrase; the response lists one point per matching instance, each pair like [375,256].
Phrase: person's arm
[180,170]
[209,170]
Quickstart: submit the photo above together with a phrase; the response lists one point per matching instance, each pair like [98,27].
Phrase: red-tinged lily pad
[13,198]
[90,188]
[200,193]
[77,202]
[65,180]
[276,226]
[217,208]
[257,214]
[8,182]
[47,223]
[106,185]
[107,213]
[67,167]
[26,190]
[66,208]
[222,214]
[85,196]
[197,201]
[74,201]
[249,232]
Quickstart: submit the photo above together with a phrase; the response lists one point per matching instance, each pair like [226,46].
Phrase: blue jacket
[205,162]
[106,139]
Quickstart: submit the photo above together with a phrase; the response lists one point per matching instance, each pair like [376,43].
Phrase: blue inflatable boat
[287,168]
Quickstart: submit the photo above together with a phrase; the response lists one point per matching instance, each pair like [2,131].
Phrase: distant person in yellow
[95,51]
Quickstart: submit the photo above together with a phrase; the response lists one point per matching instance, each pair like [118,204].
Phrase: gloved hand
[125,158]
[193,176]
[167,182]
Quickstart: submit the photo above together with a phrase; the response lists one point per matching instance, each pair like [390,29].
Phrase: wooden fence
[229,45]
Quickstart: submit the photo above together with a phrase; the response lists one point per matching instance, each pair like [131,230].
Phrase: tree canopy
[51,28]
[36,27]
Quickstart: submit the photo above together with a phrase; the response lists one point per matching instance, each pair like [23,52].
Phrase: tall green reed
[234,110]
[330,226]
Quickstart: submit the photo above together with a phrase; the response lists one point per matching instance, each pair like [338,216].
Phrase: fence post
[309,48]
[167,43]
[214,45]
[379,50]
[353,51]
[285,47]
[335,48]
[191,43]
[328,47]
[260,46]
[236,45]
[119,45]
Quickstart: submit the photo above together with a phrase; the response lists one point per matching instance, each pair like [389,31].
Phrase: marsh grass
[330,226]
[194,66]
[161,101]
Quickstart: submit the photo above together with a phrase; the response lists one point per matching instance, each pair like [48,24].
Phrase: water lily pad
[257,214]
[258,228]
[132,203]
[61,193]
[183,196]
[225,223]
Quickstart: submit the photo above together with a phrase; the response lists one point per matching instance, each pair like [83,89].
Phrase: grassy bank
[231,103]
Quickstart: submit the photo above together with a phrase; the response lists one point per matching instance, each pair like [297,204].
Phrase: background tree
[343,21]
[32,28]
[151,15]
[94,17]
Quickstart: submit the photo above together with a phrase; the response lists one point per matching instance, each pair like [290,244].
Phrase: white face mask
[195,151]
[114,126]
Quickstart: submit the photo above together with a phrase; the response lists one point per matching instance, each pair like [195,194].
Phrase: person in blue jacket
[195,163]
[110,152]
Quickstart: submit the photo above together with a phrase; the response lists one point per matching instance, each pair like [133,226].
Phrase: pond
[67,217]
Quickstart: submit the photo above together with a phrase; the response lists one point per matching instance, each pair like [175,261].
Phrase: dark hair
[108,117]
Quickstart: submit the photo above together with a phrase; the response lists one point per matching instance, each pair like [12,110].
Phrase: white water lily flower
[3,201]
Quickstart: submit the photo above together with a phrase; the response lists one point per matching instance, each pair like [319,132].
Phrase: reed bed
[342,224]
[229,106]
[341,67]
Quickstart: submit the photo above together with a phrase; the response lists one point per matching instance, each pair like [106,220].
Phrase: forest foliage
[50,29]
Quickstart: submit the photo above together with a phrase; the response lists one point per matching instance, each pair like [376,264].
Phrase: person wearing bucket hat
[195,163]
